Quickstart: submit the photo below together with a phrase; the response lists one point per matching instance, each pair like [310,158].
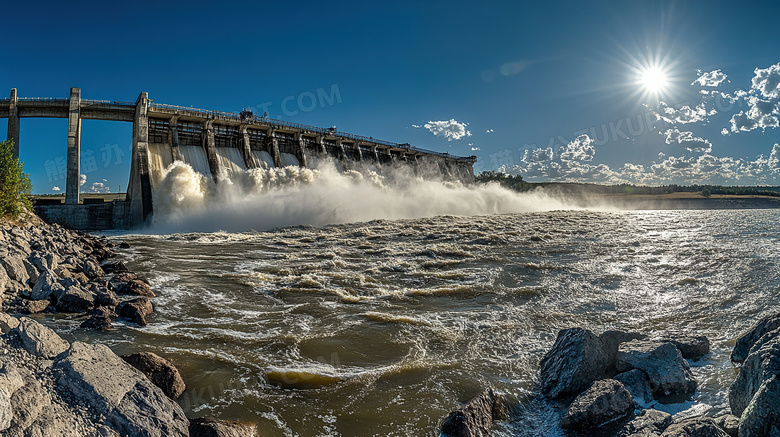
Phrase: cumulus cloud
[684,115]
[691,143]
[417,126]
[538,155]
[82,180]
[475,148]
[712,78]
[581,149]
[489,131]
[450,129]
[99,187]
[763,101]
[55,188]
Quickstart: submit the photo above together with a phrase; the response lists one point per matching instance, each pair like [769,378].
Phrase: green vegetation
[512,182]
[15,185]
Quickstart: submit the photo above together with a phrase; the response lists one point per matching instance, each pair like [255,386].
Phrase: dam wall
[218,145]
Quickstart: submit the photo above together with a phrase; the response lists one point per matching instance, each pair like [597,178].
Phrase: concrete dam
[214,143]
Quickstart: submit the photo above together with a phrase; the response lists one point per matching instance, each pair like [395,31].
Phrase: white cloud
[763,101]
[82,180]
[489,131]
[691,143]
[99,187]
[767,81]
[416,126]
[56,188]
[684,115]
[581,149]
[712,78]
[475,148]
[449,129]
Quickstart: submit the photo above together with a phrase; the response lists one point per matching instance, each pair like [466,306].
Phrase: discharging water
[382,327]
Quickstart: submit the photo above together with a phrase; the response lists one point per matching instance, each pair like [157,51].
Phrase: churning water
[382,327]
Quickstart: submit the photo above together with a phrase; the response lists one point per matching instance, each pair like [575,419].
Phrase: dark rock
[160,371]
[32,272]
[40,340]
[759,367]
[649,423]
[689,346]
[476,417]
[748,339]
[119,281]
[75,300]
[15,269]
[576,360]
[612,339]
[124,245]
[138,287]
[99,319]
[208,427]
[92,269]
[694,427]
[115,267]
[47,284]
[105,297]
[604,402]
[136,310]
[33,306]
[669,373]
[762,416]
[638,384]
[728,423]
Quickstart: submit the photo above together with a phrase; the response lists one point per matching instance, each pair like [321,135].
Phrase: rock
[119,281]
[32,272]
[690,347]
[476,417]
[92,270]
[81,278]
[99,319]
[638,384]
[209,427]
[105,297]
[124,245]
[759,367]
[10,382]
[649,423]
[160,371]
[139,288]
[15,269]
[76,300]
[29,402]
[576,360]
[136,310]
[728,423]
[47,284]
[115,267]
[762,416]
[694,427]
[747,340]
[669,373]
[7,323]
[4,279]
[94,376]
[33,306]
[604,402]
[40,340]
[611,340]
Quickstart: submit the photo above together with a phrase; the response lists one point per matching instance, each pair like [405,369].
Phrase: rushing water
[382,327]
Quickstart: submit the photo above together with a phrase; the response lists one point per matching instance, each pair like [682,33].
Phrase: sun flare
[653,79]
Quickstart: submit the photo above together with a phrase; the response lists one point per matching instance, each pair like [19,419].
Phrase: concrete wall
[87,217]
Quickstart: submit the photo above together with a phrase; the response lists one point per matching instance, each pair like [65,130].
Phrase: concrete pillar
[173,138]
[13,122]
[275,149]
[322,145]
[74,148]
[301,150]
[246,149]
[139,190]
[356,145]
[342,154]
[376,154]
[211,148]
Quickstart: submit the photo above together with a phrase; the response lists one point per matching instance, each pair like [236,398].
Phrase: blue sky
[549,90]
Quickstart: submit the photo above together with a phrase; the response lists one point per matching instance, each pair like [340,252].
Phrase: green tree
[15,185]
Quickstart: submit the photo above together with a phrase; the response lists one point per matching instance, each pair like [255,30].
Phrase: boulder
[7,323]
[649,423]
[604,402]
[694,427]
[10,381]
[33,306]
[159,370]
[99,319]
[761,418]
[136,310]
[759,367]
[119,281]
[638,384]
[611,340]
[15,269]
[94,376]
[75,300]
[476,417]
[115,267]
[32,272]
[92,269]
[124,245]
[47,283]
[748,339]
[4,279]
[690,346]
[576,360]
[105,297]
[40,340]
[209,427]
[669,373]
[728,423]
[138,287]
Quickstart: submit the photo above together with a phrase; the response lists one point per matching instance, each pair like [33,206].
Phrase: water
[382,327]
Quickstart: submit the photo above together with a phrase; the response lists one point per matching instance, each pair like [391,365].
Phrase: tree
[15,185]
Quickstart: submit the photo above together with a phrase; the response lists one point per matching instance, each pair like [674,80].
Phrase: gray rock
[95,376]
[76,300]
[604,402]
[47,283]
[669,373]
[33,306]
[611,340]
[576,360]
[728,423]
[209,427]
[761,418]
[7,323]
[160,371]
[748,339]
[759,367]
[694,427]
[690,346]
[649,423]
[15,269]
[92,269]
[476,417]
[4,280]
[136,310]
[40,340]
[769,337]
[32,272]
[10,382]
[638,384]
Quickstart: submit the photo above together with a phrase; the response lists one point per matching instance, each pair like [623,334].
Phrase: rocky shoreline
[608,385]
[49,386]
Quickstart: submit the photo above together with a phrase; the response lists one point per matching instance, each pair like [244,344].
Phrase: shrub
[15,185]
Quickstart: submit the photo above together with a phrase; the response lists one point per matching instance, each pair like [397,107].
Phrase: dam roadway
[212,142]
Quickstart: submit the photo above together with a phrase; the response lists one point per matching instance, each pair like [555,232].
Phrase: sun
[653,79]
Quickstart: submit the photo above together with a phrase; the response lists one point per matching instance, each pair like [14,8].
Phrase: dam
[214,143]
